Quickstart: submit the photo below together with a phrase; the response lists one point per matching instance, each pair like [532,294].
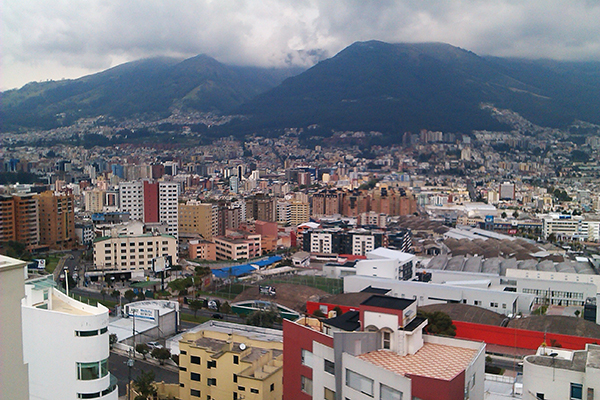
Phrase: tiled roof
[432,361]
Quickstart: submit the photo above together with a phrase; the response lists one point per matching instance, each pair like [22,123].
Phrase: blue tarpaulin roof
[268,261]
[236,270]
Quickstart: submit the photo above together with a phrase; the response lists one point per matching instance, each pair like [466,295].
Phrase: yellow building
[225,364]
[57,220]
[200,218]
[299,212]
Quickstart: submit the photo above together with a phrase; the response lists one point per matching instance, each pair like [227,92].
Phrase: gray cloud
[67,38]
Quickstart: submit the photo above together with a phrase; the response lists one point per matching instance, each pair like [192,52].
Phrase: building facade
[200,218]
[57,220]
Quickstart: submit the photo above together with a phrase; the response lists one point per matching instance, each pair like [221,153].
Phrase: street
[118,367]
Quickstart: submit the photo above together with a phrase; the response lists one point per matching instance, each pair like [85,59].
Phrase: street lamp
[129,366]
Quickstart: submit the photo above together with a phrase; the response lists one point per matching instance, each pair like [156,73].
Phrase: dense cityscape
[308,215]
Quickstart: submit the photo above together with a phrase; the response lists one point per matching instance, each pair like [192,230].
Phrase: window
[195,376]
[539,396]
[272,387]
[236,359]
[388,393]
[387,340]
[306,385]
[329,367]
[195,360]
[211,364]
[194,392]
[92,370]
[306,358]
[576,391]
[329,394]
[241,388]
[359,382]
[183,352]
[252,390]
[234,378]
[211,381]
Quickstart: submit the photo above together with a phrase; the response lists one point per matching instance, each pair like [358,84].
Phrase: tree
[141,295]
[196,305]
[161,354]
[263,318]
[116,294]
[225,308]
[103,293]
[516,214]
[143,349]
[144,385]
[112,339]
[129,295]
[503,215]
[439,323]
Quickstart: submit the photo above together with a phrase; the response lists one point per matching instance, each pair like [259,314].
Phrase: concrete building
[57,220]
[200,218]
[229,361]
[202,250]
[262,208]
[569,228]
[14,380]
[506,191]
[76,365]
[93,200]
[556,373]
[133,254]
[238,245]
[378,352]
[19,219]
[338,241]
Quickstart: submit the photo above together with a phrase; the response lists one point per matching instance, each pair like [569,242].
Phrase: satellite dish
[242,346]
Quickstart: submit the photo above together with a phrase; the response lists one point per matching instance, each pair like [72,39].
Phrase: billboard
[162,263]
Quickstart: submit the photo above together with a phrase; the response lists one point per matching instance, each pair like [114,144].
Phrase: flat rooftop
[433,360]
[393,303]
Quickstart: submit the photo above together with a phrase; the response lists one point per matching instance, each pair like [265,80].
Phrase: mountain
[412,86]
[150,87]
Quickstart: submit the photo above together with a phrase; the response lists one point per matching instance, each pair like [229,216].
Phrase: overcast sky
[55,39]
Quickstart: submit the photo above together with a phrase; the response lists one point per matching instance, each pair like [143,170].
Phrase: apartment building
[199,218]
[19,219]
[57,220]
[262,208]
[238,246]
[76,366]
[338,241]
[224,361]
[556,373]
[567,227]
[202,250]
[379,351]
[151,202]
[293,212]
[132,253]
[93,200]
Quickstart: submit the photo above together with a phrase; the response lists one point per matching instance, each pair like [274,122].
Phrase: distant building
[238,246]
[507,191]
[200,218]
[202,250]
[57,220]
[19,219]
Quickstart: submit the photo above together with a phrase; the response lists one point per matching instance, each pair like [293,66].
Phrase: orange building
[202,250]
[57,220]
[19,219]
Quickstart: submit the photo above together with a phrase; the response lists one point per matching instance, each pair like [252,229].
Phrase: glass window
[329,367]
[306,358]
[306,385]
[576,391]
[195,376]
[388,393]
[195,360]
[387,340]
[194,392]
[92,370]
[359,382]
[329,394]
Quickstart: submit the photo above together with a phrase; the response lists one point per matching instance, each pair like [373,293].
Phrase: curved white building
[65,343]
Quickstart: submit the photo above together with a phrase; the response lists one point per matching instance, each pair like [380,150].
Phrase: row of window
[87,371]
[95,332]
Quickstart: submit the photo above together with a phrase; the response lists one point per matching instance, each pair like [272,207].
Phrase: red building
[151,204]
[378,351]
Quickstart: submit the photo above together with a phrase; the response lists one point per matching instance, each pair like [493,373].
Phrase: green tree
[129,295]
[439,323]
[112,339]
[143,349]
[225,308]
[196,305]
[503,215]
[144,385]
[263,318]
[116,294]
[141,296]
[161,354]
[515,214]
[103,293]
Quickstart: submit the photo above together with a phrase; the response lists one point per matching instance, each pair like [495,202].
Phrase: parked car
[154,345]
[217,316]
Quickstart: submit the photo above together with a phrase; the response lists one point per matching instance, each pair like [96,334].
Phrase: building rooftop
[392,303]
[7,263]
[433,360]
[348,321]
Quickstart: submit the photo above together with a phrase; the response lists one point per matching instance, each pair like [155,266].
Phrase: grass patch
[329,285]
[52,261]
[94,302]
[190,318]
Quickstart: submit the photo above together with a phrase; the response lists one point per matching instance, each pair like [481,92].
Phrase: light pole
[129,366]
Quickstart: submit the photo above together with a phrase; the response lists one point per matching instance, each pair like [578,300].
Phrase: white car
[154,345]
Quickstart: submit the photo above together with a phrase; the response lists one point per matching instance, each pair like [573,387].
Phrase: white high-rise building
[65,343]
[131,199]
[168,197]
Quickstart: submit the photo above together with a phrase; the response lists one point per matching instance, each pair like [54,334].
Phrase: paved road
[118,367]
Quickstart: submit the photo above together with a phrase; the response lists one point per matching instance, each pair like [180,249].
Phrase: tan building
[132,253]
[94,200]
[19,219]
[202,250]
[57,220]
[299,212]
[226,364]
[238,246]
[200,218]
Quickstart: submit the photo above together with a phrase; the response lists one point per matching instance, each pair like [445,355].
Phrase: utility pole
[129,366]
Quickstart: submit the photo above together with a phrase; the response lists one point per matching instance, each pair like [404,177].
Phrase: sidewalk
[168,365]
